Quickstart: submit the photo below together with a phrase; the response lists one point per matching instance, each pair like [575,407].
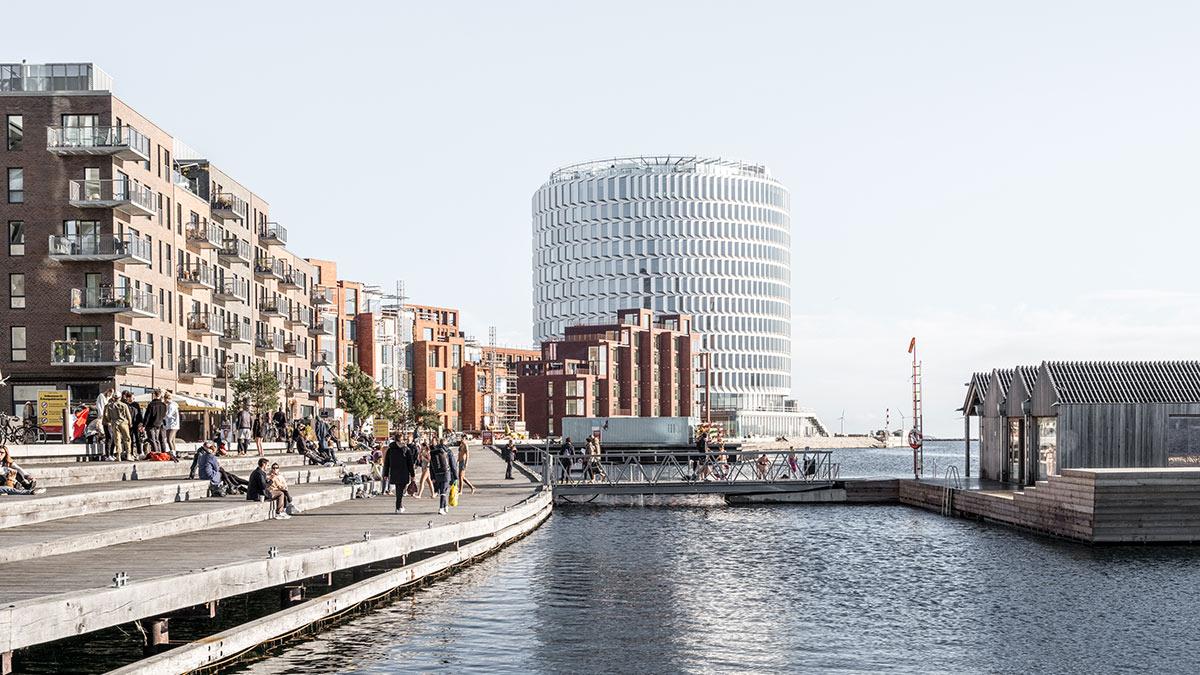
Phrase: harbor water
[781,589]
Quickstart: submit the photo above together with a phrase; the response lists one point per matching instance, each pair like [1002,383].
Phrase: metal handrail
[679,465]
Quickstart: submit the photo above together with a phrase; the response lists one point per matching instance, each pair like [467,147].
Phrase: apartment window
[16,131]
[456,356]
[16,291]
[17,343]
[439,402]
[16,237]
[439,380]
[427,335]
[16,186]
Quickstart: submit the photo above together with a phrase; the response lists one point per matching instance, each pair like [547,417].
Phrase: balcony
[323,326]
[298,317]
[269,308]
[322,358]
[193,367]
[234,249]
[113,301]
[200,324]
[321,296]
[231,370]
[204,235]
[123,248]
[196,275]
[304,383]
[232,289]
[227,206]
[122,195]
[268,342]
[236,333]
[123,143]
[100,353]
[266,267]
[272,234]
[294,278]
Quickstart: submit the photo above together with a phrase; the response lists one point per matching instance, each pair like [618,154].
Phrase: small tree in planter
[260,386]
[65,351]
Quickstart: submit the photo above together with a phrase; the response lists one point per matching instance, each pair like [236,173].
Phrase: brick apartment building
[490,398]
[639,366]
[131,259]
[437,355]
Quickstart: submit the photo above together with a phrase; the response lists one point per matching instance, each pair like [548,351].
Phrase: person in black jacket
[439,466]
[152,419]
[136,424]
[399,467]
[259,490]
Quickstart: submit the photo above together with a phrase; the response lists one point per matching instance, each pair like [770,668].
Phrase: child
[94,435]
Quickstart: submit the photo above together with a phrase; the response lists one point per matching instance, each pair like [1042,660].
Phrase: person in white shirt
[171,421]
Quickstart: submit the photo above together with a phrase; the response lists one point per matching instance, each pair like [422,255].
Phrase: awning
[187,402]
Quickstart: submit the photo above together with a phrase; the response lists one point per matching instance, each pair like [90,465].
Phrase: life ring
[914,439]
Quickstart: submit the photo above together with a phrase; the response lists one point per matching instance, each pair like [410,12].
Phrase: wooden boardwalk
[74,593]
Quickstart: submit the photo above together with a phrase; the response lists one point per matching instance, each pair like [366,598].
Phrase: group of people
[265,483]
[443,470]
[593,469]
[119,429]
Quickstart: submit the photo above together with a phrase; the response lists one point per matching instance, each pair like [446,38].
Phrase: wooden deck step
[60,474]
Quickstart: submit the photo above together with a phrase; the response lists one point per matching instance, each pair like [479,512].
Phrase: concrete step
[99,530]
[105,497]
[42,453]
[61,474]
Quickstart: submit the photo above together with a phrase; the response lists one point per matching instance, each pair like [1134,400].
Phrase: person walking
[118,421]
[510,455]
[464,454]
[566,457]
[257,431]
[153,419]
[171,421]
[245,426]
[423,460]
[439,466]
[399,468]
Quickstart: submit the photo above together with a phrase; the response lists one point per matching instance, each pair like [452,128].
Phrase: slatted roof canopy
[1125,381]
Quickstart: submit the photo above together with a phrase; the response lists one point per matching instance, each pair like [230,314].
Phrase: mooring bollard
[120,579]
[272,552]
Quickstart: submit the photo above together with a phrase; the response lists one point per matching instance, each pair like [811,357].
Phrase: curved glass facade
[706,237]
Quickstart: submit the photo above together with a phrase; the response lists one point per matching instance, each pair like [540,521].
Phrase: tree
[259,385]
[424,416]
[357,394]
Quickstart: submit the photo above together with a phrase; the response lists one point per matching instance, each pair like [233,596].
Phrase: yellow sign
[50,408]
[382,430]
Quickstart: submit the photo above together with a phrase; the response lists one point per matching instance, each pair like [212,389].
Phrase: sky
[1008,181]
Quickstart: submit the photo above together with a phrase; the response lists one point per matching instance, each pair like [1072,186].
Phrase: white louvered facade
[707,237]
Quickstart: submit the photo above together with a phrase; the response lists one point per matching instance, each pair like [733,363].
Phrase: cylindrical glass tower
[706,237]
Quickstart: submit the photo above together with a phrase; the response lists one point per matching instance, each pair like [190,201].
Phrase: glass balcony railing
[234,248]
[204,234]
[122,142]
[268,267]
[268,342]
[196,275]
[228,206]
[206,323]
[323,326]
[270,307]
[124,195]
[236,332]
[231,370]
[117,353]
[181,181]
[322,358]
[320,295]
[125,247]
[197,366]
[294,278]
[113,301]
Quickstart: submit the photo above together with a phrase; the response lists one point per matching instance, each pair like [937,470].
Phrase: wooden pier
[91,555]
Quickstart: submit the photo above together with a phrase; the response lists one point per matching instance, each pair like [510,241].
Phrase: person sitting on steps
[259,490]
[13,479]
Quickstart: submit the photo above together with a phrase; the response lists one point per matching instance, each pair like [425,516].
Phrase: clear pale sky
[1008,181]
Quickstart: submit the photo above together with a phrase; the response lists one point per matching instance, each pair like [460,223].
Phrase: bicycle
[16,430]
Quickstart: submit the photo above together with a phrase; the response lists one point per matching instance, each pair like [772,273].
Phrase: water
[939,455]
[781,589]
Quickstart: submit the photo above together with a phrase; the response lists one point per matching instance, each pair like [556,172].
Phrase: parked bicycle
[20,431]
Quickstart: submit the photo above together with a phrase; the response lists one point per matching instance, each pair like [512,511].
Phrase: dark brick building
[639,366]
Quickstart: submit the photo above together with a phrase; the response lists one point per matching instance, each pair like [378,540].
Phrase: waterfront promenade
[130,560]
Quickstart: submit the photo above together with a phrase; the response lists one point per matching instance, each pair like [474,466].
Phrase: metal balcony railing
[195,275]
[294,278]
[122,194]
[124,247]
[204,234]
[118,353]
[323,326]
[113,301]
[231,288]
[231,370]
[197,366]
[322,358]
[268,342]
[235,248]
[272,234]
[320,295]
[270,307]
[122,142]
[236,332]
[267,267]
[228,206]
[206,323]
